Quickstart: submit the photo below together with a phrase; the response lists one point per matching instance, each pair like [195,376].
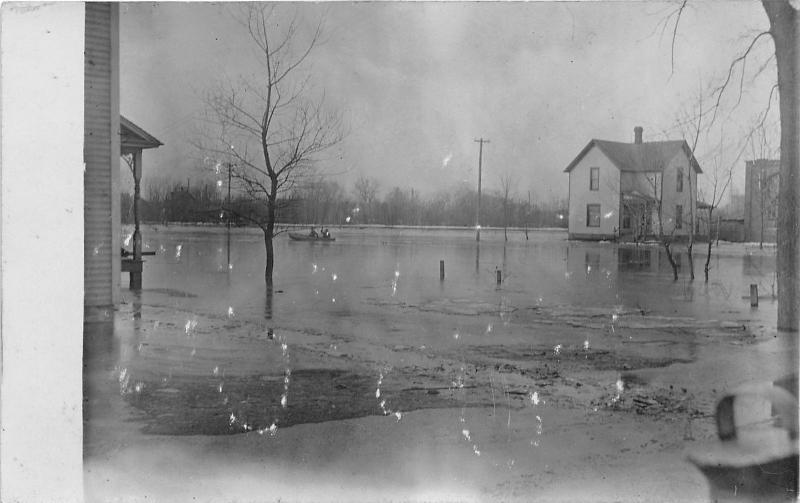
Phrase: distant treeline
[328,203]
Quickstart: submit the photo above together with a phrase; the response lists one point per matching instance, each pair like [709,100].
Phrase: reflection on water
[101,353]
[268,296]
[477,258]
[636,258]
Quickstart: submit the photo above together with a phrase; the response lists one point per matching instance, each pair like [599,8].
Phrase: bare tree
[637,216]
[721,176]
[526,214]
[366,191]
[784,30]
[655,180]
[397,205]
[319,202]
[507,183]
[784,22]
[269,128]
[157,189]
[692,123]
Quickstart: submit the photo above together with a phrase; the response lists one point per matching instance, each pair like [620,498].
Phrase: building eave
[134,137]
[692,160]
[613,158]
[592,143]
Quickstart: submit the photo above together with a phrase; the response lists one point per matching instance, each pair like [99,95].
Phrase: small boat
[305,237]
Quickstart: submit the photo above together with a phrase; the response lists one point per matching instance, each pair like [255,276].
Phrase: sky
[418,83]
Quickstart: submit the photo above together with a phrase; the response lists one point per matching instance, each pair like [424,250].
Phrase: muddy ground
[506,402]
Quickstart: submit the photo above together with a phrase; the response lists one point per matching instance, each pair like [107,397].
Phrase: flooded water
[507,373]
[317,280]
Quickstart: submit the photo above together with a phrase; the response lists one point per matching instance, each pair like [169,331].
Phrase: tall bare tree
[320,201]
[667,222]
[269,127]
[366,189]
[507,183]
[666,238]
[784,30]
[784,22]
[721,175]
[692,123]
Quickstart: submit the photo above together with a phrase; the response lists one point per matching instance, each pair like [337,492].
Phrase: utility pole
[229,216]
[478,216]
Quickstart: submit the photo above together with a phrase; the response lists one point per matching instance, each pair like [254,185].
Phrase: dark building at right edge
[761,200]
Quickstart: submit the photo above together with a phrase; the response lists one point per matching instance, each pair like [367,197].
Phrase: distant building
[761,200]
[615,188]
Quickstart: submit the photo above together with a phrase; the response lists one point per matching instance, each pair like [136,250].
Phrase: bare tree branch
[678,13]
[741,59]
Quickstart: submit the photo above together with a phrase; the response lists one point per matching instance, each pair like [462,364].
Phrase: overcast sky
[418,82]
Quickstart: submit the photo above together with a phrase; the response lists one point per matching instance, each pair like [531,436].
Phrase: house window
[679,217]
[679,186]
[592,215]
[594,178]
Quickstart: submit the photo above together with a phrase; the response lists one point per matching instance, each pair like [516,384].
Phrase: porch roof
[133,138]
[635,195]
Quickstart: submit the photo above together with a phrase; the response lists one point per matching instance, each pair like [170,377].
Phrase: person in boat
[326,234]
[313,233]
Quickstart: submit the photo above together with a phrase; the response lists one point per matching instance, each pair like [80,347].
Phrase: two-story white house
[632,190]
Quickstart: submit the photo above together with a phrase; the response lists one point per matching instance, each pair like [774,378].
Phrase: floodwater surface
[402,265]
[518,358]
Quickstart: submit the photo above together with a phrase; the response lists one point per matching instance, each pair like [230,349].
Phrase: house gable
[594,211]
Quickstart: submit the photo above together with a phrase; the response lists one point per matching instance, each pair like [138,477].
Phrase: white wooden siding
[672,198]
[101,154]
[607,196]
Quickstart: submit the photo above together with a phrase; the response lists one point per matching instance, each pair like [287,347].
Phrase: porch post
[136,273]
[137,181]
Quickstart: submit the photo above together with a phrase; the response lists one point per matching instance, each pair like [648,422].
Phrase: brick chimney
[637,134]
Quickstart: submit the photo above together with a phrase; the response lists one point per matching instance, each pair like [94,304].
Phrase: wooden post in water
[441,270]
[753,295]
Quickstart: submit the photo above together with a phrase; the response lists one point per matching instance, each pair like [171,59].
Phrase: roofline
[593,142]
[692,160]
[580,156]
[145,140]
